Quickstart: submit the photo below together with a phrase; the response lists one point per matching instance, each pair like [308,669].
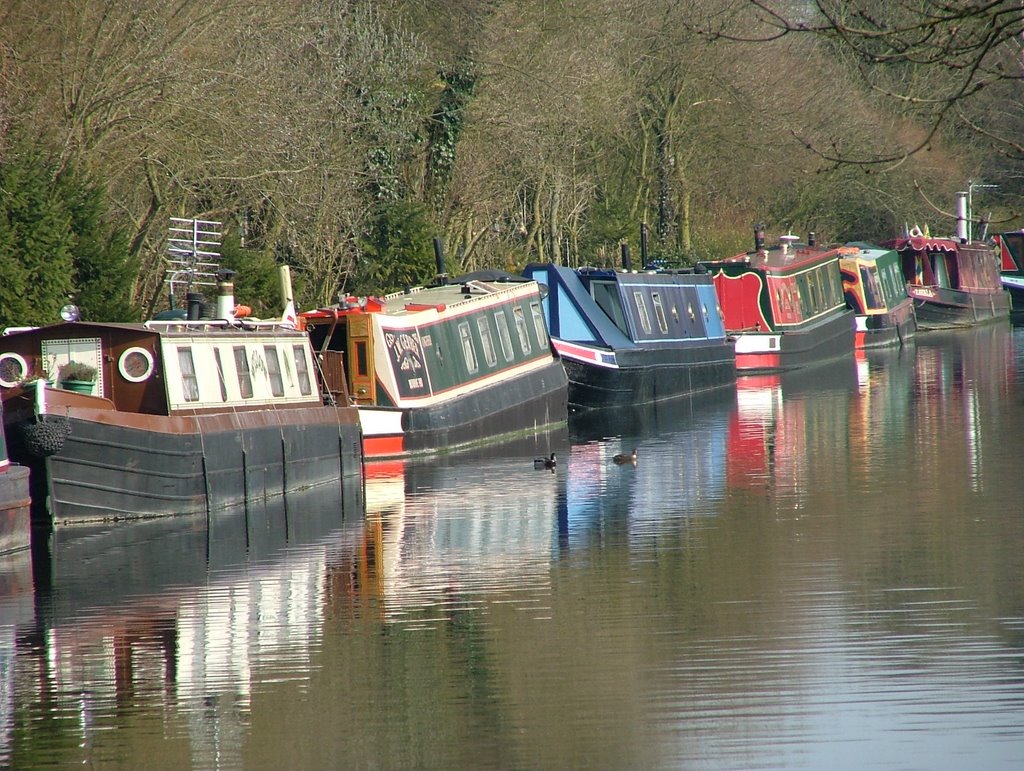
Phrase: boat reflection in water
[440,534]
[958,376]
[679,474]
[781,420]
[169,614]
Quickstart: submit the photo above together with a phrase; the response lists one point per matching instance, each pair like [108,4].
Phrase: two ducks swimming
[622,459]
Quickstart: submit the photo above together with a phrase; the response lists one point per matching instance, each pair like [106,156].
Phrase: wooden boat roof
[778,259]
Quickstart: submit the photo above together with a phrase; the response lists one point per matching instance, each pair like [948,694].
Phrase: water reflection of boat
[170,610]
[436,532]
[679,475]
[779,418]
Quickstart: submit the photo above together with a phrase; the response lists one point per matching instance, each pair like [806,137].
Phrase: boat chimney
[962,226]
[193,306]
[624,248]
[811,240]
[442,277]
[643,243]
[759,237]
[225,294]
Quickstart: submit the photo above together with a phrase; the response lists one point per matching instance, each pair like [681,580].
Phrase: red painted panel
[757,361]
[383,446]
[739,298]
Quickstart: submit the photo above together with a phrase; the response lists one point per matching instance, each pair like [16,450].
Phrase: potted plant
[76,376]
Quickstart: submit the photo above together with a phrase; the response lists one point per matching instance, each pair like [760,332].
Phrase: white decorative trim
[21,362]
[123,370]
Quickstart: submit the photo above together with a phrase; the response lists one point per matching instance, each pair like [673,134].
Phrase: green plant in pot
[76,376]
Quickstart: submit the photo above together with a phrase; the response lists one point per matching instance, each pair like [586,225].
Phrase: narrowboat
[784,305]
[876,292]
[633,338]
[442,368]
[170,417]
[954,282]
[1011,266]
[15,500]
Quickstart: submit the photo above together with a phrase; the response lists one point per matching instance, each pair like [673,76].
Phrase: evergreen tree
[37,240]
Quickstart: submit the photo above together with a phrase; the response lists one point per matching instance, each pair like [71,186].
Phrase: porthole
[135,365]
[13,369]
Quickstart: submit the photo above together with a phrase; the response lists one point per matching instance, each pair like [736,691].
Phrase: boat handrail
[239,323]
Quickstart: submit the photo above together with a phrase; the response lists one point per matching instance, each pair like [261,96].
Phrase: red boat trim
[383,446]
[758,361]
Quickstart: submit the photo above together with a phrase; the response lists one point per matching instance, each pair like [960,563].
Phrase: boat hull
[643,377]
[942,308]
[828,338]
[529,403]
[113,466]
[893,328]
[15,507]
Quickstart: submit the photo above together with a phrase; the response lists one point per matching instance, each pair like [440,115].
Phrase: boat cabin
[946,263]
[872,281]
[174,367]
[782,287]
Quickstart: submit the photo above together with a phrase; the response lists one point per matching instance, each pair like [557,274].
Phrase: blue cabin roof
[623,310]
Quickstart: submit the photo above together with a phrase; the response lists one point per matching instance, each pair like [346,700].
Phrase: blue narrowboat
[633,338]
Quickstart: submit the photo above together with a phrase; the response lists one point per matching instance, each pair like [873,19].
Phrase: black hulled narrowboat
[634,338]
[876,292]
[954,282]
[441,368]
[784,305]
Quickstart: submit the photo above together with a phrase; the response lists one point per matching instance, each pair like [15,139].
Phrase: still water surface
[820,571]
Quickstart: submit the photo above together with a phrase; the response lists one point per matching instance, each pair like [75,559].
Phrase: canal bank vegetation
[340,138]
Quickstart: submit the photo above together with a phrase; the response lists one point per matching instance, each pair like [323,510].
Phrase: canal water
[822,570]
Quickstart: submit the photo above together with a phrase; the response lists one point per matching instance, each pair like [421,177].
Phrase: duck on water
[623,458]
[545,463]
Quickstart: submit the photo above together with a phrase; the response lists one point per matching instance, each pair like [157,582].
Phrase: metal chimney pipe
[442,276]
[963,232]
[759,237]
[643,243]
[624,248]
[811,240]
[225,294]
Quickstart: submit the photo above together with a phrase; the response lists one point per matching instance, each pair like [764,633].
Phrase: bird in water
[623,459]
[545,462]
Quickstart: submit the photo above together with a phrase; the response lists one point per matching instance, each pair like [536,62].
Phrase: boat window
[606,295]
[302,369]
[524,335]
[362,365]
[641,308]
[503,334]
[242,368]
[659,311]
[538,323]
[873,295]
[467,347]
[486,341]
[220,375]
[274,370]
[189,383]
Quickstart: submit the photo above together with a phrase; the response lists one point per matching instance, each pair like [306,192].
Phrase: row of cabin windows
[243,373]
[659,312]
[883,285]
[809,293]
[504,336]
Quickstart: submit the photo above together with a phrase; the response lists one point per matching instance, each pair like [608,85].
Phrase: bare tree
[934,61]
